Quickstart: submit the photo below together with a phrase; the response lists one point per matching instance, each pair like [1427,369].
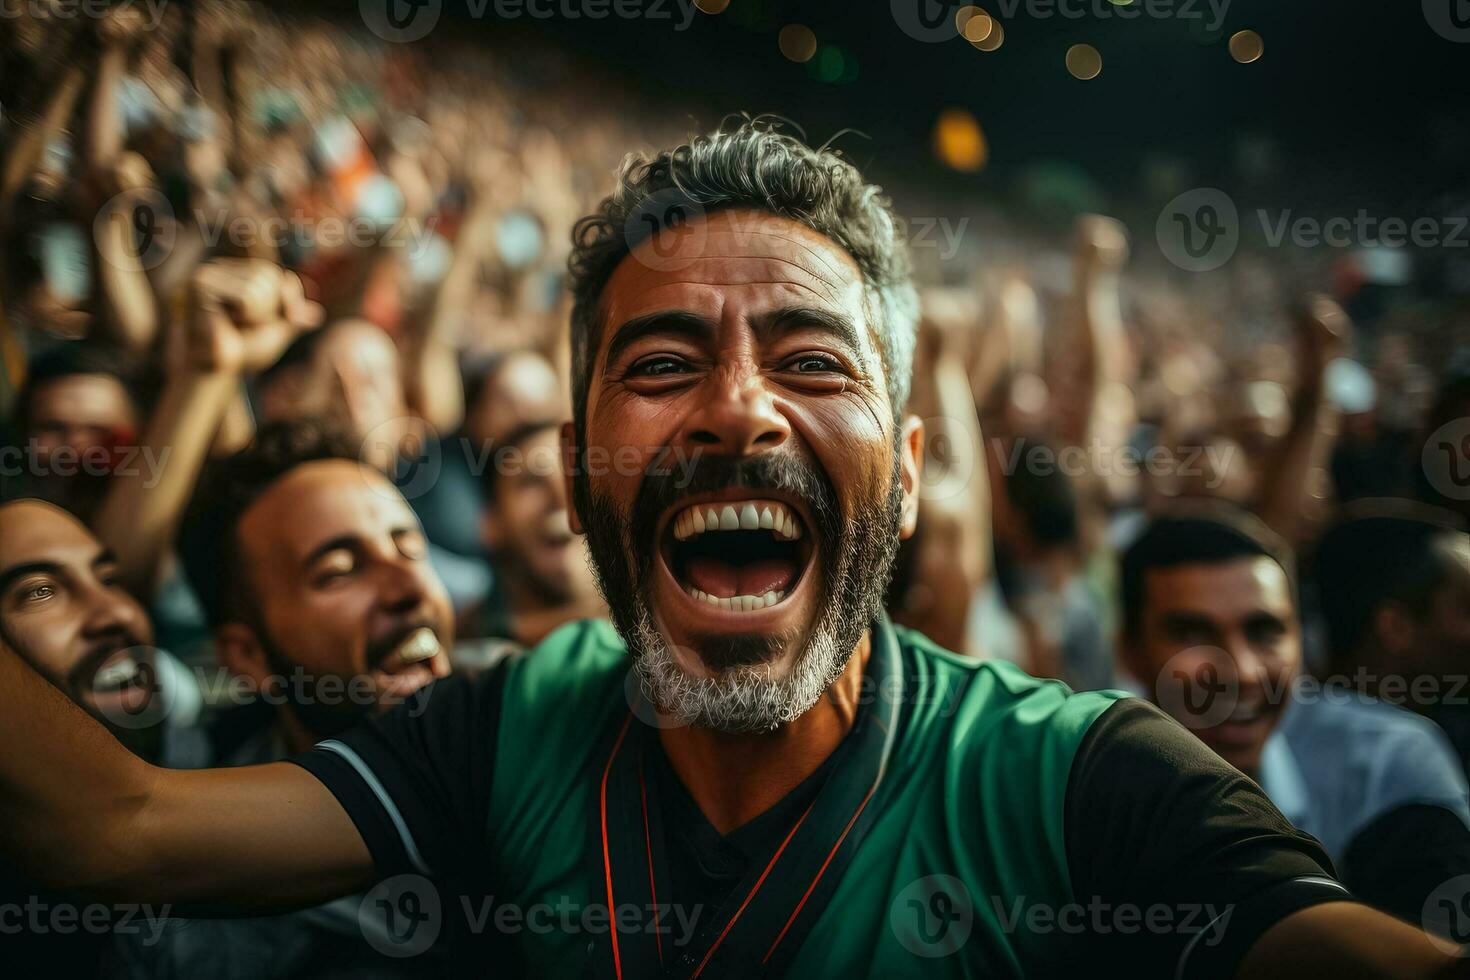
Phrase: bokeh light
[1083,61]
[959,141]
[974,24]
[797,42]
[1246,46]
[994,38]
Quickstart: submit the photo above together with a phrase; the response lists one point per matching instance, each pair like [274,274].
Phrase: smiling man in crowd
[315,575]
[63,611]
[1211,630]
[754,749]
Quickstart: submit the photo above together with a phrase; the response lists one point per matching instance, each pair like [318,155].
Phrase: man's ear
[911,469]
[239,651]
[569,463]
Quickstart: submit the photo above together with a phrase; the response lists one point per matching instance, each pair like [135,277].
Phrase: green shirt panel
[970,814]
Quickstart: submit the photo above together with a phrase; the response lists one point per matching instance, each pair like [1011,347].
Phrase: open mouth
[739,556]
[119,672]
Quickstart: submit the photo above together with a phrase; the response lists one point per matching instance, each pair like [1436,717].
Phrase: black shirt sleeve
[1185,859]
[1396,861]
[416,781]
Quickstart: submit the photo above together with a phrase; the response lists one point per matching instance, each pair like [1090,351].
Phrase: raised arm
[78,811]
[242,314]
[1322,331]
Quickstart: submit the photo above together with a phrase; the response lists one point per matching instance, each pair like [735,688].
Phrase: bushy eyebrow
[806,317]
[668,322]
[767,325]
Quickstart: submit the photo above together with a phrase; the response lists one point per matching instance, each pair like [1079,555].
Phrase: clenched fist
[243,314]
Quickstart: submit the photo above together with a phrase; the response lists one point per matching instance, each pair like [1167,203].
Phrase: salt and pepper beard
[744,695]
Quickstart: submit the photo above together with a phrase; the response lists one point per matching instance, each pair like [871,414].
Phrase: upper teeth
[738,515]
[420,645]
[116,674]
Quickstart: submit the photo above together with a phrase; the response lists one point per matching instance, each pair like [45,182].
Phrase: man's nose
[737,416]
[401,585]
[108,613]
[1250,669]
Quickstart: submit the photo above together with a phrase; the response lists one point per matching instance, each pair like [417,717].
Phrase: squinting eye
[656,366]
[37,593]
[813,363]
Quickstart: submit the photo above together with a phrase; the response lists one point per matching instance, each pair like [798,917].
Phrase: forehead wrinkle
[834,289]
[783,229]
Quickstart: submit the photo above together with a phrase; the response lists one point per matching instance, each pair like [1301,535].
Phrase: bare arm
[77,810]
[1347,941]
[1322,329]
[126,301]
[243,313]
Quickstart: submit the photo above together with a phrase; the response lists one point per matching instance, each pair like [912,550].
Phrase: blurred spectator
[1213,634]
[543,567]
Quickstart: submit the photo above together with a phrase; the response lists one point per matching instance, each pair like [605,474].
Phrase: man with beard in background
[313,571]
[64,612]
[756,771]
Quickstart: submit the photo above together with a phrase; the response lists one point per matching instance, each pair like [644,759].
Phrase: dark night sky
[1365,94]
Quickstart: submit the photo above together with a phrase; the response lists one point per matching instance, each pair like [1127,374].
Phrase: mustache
[98,653]
[783,472]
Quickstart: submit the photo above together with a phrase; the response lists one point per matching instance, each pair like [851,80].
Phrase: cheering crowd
[296,431]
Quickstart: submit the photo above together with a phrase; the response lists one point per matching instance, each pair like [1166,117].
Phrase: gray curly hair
[751,164]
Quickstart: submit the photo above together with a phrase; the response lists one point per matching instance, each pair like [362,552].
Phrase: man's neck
[734,778]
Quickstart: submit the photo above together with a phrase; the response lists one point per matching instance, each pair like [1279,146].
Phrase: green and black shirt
[974,822]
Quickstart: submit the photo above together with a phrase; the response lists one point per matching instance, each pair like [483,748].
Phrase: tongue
[724,580]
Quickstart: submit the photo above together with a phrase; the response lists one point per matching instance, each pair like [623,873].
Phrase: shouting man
[755,771]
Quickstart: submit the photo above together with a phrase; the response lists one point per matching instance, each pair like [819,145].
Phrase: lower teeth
[739,603]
